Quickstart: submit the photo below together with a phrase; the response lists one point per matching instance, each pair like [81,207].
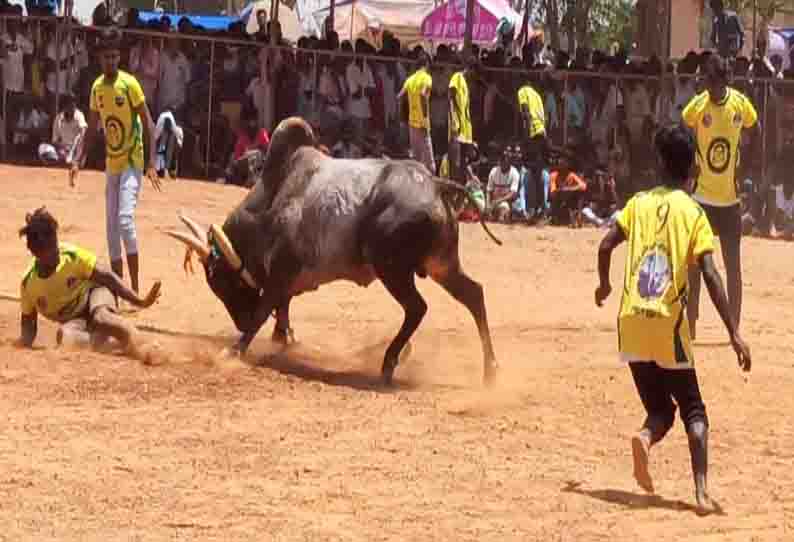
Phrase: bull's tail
[470,197]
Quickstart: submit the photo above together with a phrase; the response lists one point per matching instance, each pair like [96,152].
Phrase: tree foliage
[593,23]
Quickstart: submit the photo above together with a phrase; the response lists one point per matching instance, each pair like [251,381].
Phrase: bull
[313,219]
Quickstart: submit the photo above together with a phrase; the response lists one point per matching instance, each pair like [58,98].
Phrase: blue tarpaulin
[210,22]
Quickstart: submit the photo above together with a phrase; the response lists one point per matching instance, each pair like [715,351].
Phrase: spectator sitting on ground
[566,192]
[502,188]
[252,144]
[168,137]
[30,130]
[67,131]
[601,207]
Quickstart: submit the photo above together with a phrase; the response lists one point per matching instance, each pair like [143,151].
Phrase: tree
[592,23]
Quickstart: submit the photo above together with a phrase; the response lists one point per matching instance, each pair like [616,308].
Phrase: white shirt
[34,120]
[65,132]
[160,126]
[13,66]
[174,79]
[67,51]
[262,94]
[359,79]
[501,184]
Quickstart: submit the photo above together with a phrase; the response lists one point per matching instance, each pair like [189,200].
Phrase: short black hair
[40,227]
[109,38]
[716,66]
[676,146]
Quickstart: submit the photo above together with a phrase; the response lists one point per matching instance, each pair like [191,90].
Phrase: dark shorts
[726,222]
[99,297]
[658,387]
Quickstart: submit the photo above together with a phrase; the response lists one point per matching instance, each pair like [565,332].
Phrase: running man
[666,232]
[718,116]
[118,101]
[418,88]
[64,284]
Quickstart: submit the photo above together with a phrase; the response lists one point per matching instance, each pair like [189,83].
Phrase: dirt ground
[305,445]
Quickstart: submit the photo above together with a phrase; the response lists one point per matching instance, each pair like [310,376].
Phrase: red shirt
[244,143]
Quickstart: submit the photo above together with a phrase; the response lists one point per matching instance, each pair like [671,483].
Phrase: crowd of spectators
[600,109]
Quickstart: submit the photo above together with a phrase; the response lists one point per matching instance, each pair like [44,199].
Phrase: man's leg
[427,150]
[731,243]
[112,223]
[455,160]
[130,186]
[684,388]
[660,410]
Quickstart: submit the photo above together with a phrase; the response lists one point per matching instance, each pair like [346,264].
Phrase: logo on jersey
[718,155]
[119,101]
[654,274]
[707,120]
[115,134]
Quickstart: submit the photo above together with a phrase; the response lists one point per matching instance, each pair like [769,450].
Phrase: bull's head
[226,276]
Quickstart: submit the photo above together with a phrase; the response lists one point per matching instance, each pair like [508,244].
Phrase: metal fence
[604,118]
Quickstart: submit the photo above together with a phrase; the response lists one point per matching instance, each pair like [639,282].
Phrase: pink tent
[448,21]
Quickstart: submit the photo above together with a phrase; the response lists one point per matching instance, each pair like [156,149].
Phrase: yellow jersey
[460,121]
[418,88]
[718,127]
[116,103]
[62,296]
[667,231]
[528,97]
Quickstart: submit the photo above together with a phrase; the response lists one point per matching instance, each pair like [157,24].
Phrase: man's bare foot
[640,446]
[705,505]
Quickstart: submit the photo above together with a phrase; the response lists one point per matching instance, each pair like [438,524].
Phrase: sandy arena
[305,445]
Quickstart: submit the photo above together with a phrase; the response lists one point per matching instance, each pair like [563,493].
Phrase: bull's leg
[470,293]
[402,287]
[282,332]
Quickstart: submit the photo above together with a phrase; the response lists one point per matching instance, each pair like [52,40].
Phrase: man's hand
[73,172]
[154,179]
[153,295]
[742,352]
[602,293]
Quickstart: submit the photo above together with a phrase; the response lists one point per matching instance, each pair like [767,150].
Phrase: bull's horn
[202,250]
[225,246]
[193,226]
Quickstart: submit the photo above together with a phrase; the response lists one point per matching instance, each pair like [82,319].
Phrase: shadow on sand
[635,500]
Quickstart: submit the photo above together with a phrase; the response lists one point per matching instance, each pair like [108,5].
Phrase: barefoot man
[64,284]
[666,232]
[117,99]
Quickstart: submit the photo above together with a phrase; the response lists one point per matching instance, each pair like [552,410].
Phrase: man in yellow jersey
[533,122]
[64,284]
[666,232]
[718,115]
[118,101]
[418,88]
[461,135]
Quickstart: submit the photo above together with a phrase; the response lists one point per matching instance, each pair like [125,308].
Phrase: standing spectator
[175,75]
[262,93]
[13,48]
[718,117]
[727,34]
[67,132]
[460,127]
[533,124]
[418,87]
[30,129]
[145,66]
[362,86]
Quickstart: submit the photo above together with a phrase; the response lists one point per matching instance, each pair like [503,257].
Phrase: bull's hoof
[284,337]
[491,370]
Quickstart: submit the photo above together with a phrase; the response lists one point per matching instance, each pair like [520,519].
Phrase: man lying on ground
[64,284]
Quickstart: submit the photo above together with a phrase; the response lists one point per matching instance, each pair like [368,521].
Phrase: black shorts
[726,222]
[658,387]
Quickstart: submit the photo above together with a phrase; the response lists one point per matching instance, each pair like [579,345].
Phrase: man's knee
[127,225]
[697,431]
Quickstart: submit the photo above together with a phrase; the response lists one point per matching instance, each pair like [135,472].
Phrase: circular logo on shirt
[707,120]
[114,134]
[718,155]
[654,274]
